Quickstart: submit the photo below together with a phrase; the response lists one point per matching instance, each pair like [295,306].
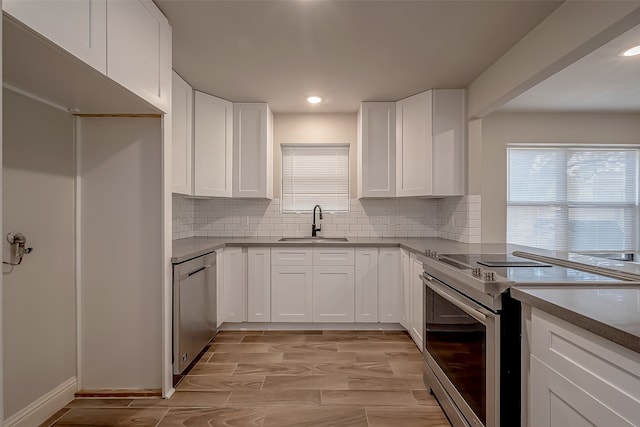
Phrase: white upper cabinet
[213,146]
[139,50]
[430,144]
[182,136]
[252,150]
[377,149]
[78,26]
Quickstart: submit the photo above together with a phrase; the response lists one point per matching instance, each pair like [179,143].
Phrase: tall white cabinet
[430,138]
[139,50]
[79,27]
[213,146]
[252,150]
[376,171]
[182,136]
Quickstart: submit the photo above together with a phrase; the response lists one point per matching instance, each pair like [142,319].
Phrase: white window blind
[576,199]
[315,175]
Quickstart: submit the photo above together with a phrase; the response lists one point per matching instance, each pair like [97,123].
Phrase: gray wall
[500,129]
[39,302]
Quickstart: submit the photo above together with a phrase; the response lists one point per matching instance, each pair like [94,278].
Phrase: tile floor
[301,378]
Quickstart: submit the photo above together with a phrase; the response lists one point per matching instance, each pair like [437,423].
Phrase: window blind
[315,175]
[575,199]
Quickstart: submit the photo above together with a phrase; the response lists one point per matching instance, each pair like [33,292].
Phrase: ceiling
[601,81]
[346,51]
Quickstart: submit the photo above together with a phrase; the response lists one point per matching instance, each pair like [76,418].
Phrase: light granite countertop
[612,313]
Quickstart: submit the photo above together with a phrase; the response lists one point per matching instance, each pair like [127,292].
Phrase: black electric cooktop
[523,270]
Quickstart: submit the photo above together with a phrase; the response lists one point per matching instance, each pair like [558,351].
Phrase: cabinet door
[417,304]
[259,284]
[234,296]
[555,401]
[182,136]
[333,294]
[77,26]
[413,145]
[390,294]
[213,146]
[406,289]
[291,293]
[252,150]
[139,50]
[448,142]
[220,284]
[377,149]
[333,256]
[366,297]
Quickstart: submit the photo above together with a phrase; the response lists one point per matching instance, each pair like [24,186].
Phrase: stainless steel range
[472,330]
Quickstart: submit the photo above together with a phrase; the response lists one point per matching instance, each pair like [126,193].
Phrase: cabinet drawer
[291,256]
[333,256]
[610,373]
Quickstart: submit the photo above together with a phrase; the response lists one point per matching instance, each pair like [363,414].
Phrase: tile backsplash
[454,218]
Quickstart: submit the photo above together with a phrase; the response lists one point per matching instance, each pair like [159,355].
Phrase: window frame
[562,189]
[311,146]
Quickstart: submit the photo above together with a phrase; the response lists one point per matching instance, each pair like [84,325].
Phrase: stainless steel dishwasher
[194,308]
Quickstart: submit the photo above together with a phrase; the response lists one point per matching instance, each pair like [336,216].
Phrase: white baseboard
[276,326]
[44,407]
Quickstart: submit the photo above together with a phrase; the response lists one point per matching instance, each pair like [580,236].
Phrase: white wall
[121,279]
[500,129]
[313,128]
[39,295]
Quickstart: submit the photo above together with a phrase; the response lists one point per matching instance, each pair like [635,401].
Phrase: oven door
[462,350]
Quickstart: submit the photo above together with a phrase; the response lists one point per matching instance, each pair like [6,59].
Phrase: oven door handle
[479,314]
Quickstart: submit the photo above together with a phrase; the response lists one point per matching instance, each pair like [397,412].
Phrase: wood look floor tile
[365,368]
[221,382]
[316,417]
[305,382]
[275,398]
[367,397]
[288,368]
[381,347]
[406,417]
[354,333]
[53,418]
[99,403]
[275,339]
[213,368]
[242,333]
[411,382]
[402,367]
[390,356]
[306,332]
[391,338]
[313,348]
[230,338]
[217,417]
[323,357]
[246,358]
[424,397]
[186,399]
[111,417]
[336,338]
[239,348]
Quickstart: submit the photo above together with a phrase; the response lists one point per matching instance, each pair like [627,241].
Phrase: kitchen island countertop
[612,313]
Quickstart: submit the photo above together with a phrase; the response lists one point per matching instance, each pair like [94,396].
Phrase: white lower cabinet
[259,285]
[416,303]
[390,292]
[233,298]
[366,295]
[405,262]
[333,294]
[579,379]
[291,293]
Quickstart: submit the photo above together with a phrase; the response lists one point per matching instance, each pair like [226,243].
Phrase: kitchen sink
[313,239]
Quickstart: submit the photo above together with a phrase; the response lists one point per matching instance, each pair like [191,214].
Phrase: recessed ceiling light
[631,52]
[314,99]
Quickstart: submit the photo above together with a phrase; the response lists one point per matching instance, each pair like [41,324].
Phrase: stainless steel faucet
[314,230]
